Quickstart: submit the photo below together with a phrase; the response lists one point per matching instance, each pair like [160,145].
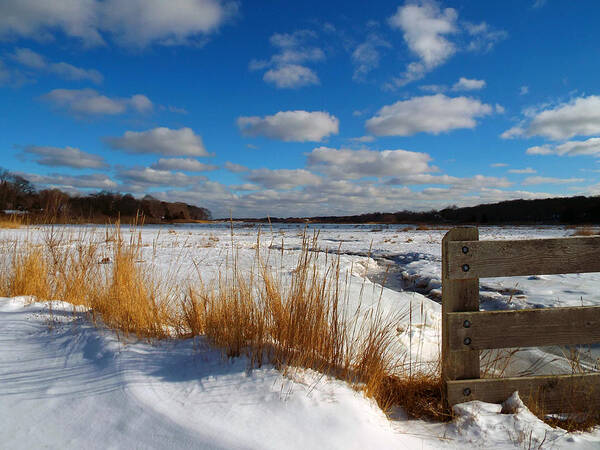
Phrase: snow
[66,384]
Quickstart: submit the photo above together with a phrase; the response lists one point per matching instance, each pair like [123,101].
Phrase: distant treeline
[18,194]
[561,210]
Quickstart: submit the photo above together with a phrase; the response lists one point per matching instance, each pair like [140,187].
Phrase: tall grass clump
[306,319]
[10,222]
[117,288]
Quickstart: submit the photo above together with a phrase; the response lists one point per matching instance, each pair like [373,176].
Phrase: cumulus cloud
[339,197]
[89,181]
[291,76]
[467,84]
[354,164]
[550,180]
[287,67]
[498,165]
[571,148]
[162,141]
[521,171]
[132,23]
[245,187]
[431,114]
[363,139]
[579,117]
[145,177]
[65,157]
[282,178]
[89,102]
[291,126]
[425,28]
[185,164]
[366,55]
[463,184]
[33,60]
[235,168]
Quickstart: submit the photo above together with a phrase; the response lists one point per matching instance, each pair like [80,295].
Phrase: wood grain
[522,257]
[524,328]
[458,296]
[555,393]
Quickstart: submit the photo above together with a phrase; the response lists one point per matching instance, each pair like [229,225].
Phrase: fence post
[458,296]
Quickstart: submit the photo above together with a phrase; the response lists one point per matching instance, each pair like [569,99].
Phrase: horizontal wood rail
[525,327]
[552,392]
[466,330]
[483,259]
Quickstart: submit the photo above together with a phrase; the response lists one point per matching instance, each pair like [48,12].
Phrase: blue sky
[308,108]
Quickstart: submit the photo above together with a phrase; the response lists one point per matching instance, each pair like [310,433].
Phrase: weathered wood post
[458,296]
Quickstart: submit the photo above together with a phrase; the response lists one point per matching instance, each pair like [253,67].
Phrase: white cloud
[365,56]
[524,90]
[291,126]
[65,157]
[245,187]
[571,148]
[185,164]
[431,114]
[235,168]
[579,117]
[132,23]
[354,164]
[498,165]
[282,178]
[483,37]
[425,27]
[467,84]
[463,184]
[148,177]
[539,150]
[33,60]
[90,102]
[538,4]
[162,140]
[291,76]
[521,171]
[89,181]
[363,139]
[549,180]
[287,67]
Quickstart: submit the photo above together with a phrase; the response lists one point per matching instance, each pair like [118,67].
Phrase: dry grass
[306,321]
[116,287]
[586,231]
[11,222]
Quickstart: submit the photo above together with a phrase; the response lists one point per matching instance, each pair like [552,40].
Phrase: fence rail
[466,330]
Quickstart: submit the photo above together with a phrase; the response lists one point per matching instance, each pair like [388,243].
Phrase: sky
[276,108]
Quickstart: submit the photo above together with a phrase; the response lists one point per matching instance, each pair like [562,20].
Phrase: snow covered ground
[66,384]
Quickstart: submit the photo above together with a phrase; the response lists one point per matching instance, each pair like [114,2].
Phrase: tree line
[17,194]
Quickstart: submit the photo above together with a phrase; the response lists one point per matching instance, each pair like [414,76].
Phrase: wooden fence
[466,330]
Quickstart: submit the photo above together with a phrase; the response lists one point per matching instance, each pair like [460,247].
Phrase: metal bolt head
[467,341]
[466,392]
[465,267]
[467,324]
[465,249]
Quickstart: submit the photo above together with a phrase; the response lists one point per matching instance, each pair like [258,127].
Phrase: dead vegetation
[11,222]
